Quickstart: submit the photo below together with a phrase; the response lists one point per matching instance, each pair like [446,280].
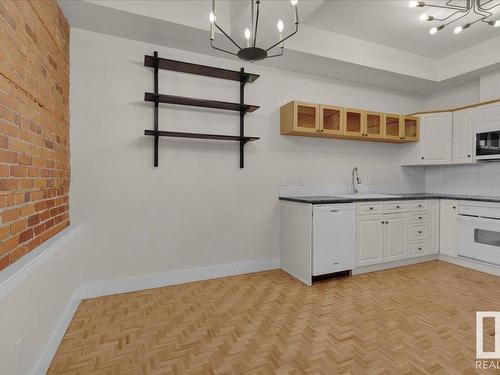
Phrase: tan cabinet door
[353,122]
[411,128]
[374,125]
[393,128]
[306,117]
[331,120]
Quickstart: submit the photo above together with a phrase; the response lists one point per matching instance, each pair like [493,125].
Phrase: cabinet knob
[419,205]
[468,156]
[419,232]
[422,158]
[454,207]
[420,248]
[397,206]
[420,217]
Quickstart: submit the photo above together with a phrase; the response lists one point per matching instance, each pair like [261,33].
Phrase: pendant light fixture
[478,10]
[251,52]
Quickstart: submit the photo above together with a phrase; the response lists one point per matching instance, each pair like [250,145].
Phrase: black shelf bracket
[180,66]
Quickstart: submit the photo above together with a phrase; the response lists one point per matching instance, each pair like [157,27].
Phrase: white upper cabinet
[488,117]
[435,138]
[463,136]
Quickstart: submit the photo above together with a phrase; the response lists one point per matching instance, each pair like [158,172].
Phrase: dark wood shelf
[219,137]
[202,70]
[193,102]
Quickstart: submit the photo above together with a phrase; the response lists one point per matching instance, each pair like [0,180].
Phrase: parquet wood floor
[418,319]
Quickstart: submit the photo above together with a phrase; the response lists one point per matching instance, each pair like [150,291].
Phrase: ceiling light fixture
[479,8]
[251,52]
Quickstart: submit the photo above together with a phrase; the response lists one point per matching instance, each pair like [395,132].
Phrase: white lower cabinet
[396,236]
[370,240]
[448,230]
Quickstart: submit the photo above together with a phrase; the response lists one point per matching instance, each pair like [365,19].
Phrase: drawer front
[418,249]
[370,208]
[418,232]
[419,205]
[419,218]
[395,206]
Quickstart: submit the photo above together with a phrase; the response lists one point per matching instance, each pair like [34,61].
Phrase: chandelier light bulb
[423,17]
[294,2]
[247,33]
[494,23]
[458,29]
[212,17]
[280,26]
[433,30]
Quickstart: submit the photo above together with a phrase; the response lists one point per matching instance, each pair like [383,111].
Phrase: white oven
[479,231]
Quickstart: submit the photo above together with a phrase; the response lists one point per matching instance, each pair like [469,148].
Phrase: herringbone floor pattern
[418,319]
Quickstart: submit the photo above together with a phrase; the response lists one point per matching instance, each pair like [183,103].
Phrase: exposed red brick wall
[34,125]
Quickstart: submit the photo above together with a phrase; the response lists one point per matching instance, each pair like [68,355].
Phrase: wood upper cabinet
[411,128]
[331,120]
[353,122]
[374,125]
[299,118]
[322,120]
[393,127]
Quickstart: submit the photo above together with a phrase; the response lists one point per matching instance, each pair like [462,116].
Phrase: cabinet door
[306,117]
[448,213]
[370,240]
[393,128]
[331,120]
[463,136]
[433,247]
[374,125]
[410,128]
[395,239]
[436,138]
[353,120]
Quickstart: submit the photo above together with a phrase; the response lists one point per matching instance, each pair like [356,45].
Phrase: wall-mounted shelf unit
[180,66]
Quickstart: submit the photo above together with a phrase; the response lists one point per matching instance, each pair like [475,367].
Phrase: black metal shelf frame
[204,70]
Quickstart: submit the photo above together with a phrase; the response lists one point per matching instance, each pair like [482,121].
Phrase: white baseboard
[471,263]
[131,284]
[50,349]
[400,263]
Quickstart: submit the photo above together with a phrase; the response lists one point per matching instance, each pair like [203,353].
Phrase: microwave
[488,144]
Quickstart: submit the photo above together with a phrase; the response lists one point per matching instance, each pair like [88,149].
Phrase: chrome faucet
[355,181]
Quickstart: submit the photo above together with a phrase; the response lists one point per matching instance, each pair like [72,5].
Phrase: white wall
[38,296]
[198,208]
[490,86]
[457,97]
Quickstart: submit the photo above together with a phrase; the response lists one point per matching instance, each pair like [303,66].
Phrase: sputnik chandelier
[478,10]
[251,52]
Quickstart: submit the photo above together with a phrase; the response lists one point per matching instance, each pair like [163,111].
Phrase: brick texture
[34,125]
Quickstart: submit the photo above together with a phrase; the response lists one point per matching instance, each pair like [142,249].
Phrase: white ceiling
[394,24]
[380,43]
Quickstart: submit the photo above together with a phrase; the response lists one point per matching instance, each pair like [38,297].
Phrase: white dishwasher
[333,238]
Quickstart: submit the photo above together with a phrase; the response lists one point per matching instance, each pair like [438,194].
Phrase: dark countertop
[398,197]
